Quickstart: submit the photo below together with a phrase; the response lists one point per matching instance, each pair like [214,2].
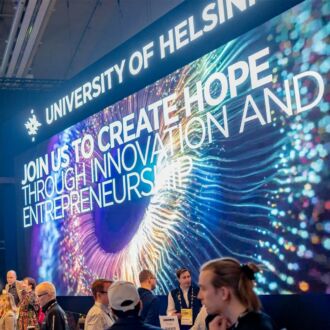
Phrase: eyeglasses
[42,294]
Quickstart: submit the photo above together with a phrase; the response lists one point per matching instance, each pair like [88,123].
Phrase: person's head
[29,284]
[7,303]
[100,290]
[11,277]
[45,292]
[225,280]
[184,278]
[124,299]
[147,279]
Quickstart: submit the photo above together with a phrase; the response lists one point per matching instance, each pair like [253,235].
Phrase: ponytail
[245,292]
[240,278]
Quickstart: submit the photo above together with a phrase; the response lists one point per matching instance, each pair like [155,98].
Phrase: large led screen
[227,156]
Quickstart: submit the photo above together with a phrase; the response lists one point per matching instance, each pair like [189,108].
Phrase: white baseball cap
[123,296]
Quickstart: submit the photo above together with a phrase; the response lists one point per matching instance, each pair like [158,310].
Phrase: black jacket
[150,307]
[254,321]
[55,318]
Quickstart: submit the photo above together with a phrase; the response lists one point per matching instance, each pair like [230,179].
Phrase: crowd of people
[27,306]
[223,299]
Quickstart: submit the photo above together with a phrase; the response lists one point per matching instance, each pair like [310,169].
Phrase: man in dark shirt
[13,286]
[150,302]
[55,318]
[126,304]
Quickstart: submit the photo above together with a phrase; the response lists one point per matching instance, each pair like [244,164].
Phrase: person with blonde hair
[7,312]
[226,289]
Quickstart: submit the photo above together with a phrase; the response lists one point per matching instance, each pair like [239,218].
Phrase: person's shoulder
[261,316]
[144,292]
[10,314]
[260,320]
[93,318]
[141,290]
[19,284]
[174,291]
[94,310]
[150,300]
[135,323]
[56,309]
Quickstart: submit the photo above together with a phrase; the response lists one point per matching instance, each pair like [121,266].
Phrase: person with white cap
[126,305]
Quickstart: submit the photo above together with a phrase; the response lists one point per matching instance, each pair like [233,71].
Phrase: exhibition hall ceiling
[56,39]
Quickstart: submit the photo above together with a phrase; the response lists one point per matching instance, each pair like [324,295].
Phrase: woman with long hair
[7,312]
[28,308]
[226,289]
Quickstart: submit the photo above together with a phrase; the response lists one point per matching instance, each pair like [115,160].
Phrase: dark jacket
[55,318]
[254,321]
[150,307]
[132,323]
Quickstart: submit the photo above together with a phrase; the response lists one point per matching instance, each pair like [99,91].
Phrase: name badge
[186,316]
[169,322]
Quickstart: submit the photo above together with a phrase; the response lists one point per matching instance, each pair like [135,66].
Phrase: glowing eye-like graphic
[261,195]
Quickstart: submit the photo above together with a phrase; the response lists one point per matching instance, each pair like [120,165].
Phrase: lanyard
[191,298]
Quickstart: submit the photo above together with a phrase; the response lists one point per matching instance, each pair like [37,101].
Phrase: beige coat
[8,321]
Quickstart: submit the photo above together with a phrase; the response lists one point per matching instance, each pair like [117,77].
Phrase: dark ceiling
[56,39]
[43,42]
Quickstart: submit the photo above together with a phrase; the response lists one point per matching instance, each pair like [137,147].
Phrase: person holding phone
[29,308]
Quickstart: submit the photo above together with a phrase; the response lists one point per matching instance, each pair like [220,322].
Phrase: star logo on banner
[32,125]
